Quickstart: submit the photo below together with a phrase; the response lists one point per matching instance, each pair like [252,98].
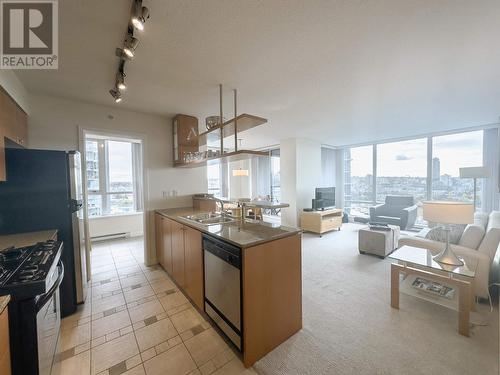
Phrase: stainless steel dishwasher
[223,286]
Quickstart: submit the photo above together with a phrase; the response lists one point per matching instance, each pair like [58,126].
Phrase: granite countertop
[4,301]
[250,233]
[26,239]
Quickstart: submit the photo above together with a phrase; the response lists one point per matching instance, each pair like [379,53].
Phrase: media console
[321,221]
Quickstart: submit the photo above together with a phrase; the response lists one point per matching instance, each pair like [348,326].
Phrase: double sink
[209,219]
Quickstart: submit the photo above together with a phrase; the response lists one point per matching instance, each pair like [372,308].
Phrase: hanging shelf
[217,137]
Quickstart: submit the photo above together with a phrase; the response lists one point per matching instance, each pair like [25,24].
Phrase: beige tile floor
[135,321]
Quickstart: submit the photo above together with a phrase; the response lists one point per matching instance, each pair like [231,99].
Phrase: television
[324,198]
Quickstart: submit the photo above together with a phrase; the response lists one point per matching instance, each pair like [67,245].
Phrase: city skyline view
[454,151]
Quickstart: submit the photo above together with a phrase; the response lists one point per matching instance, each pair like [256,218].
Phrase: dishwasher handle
[228,253]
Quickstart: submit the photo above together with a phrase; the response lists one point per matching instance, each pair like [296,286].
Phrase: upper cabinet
[13,127]
[185,130]
[13,120]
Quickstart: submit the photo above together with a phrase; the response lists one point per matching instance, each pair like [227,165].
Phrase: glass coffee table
[435,282]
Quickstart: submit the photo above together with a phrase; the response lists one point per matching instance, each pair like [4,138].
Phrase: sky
[120,161]
[409,158]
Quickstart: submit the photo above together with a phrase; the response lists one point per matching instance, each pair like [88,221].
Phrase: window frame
[104,190]
[429,155]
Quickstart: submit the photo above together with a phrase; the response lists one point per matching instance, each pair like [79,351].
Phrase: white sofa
[479,241]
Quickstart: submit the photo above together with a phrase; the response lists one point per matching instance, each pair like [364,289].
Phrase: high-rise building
[436,169]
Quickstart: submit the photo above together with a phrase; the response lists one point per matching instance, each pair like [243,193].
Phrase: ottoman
[378,242]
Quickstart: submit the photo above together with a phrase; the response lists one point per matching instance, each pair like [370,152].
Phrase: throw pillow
[439,234]
[472,236]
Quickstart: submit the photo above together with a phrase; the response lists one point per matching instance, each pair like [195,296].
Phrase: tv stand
[321,221]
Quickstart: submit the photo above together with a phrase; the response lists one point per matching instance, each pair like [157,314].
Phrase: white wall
[300,164]
[54,124]
[14,87]
[131,224]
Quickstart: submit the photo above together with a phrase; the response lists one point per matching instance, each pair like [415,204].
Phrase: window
[110,177]
[358,180]
[402,170]
[450,153]
[275,176]
[426,168]
[214,179]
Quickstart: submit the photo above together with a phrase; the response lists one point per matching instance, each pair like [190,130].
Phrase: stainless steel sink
[209,219]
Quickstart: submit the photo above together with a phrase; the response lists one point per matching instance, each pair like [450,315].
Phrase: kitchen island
[270,290]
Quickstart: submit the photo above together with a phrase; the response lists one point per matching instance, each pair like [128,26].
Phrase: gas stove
[25,272]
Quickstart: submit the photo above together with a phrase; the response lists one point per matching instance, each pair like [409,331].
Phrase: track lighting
[116,94]
[122,55]
[120,81]
[140,16]
[137,18]
[130,45]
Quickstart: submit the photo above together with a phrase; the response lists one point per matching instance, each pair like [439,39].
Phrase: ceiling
[339,72]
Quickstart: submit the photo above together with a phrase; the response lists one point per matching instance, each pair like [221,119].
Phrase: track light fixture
[130,45]
[141,14]
[138,16]
[122,55]
[120,81]
[116,94]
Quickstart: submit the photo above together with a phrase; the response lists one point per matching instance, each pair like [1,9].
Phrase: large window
[425,168]
[263,181]
[358,176]
[402,169]
[275,175]
[214,179]
[450,153]
[110,177]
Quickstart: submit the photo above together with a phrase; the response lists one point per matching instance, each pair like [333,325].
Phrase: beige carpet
[350,328]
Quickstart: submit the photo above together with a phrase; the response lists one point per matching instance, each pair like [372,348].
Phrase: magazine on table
[433,287]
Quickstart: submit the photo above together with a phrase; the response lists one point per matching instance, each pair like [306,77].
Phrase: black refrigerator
[43,191]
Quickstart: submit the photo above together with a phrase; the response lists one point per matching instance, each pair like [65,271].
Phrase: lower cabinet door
[159,219]
[167,245]
[178,253]
[194,265]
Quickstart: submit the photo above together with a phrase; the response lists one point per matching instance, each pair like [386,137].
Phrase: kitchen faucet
[221,202]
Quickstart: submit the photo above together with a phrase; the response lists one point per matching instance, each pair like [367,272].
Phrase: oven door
[48,321]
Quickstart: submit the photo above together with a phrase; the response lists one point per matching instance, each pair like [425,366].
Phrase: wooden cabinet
[159,238]
[321,221]
[13,127]
[179,251]
[193,253]
[4,343]
[167,244]
[14,120]
[178,269]
[163,240]
[185,136]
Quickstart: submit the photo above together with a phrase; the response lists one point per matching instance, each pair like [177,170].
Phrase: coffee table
[415,261]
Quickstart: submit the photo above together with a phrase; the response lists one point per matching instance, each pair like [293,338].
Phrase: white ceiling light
[131,44]
[140,17]
[116,94]
[240,172]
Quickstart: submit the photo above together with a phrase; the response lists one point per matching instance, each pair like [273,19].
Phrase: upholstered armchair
[397,210]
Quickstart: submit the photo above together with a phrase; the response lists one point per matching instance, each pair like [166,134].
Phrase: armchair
[397,210]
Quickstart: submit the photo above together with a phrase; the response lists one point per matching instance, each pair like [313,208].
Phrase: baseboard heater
[110,236]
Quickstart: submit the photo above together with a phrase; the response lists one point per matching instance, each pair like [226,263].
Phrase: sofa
[397,210]
[479,242]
